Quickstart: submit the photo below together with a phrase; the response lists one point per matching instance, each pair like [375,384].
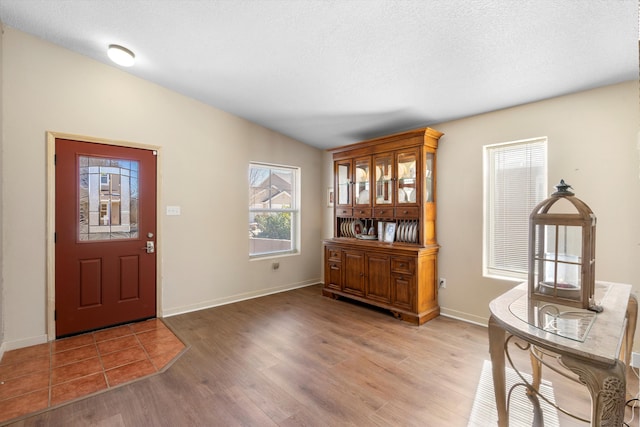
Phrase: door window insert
[108,198]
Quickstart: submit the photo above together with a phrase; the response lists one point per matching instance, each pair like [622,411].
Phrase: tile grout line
[104,371]
[146,353]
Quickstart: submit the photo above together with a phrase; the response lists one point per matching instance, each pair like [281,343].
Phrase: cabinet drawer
[334,265]
[333,275]
[362,212]
[383,212]
[402,265]
[334,254]
[407,212]
[344,212]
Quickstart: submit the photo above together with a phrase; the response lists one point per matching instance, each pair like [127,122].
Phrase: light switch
[173,210]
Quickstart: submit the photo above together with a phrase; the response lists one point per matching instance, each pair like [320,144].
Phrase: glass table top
[568,322]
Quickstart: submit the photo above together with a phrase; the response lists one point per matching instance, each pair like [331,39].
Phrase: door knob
[150,248]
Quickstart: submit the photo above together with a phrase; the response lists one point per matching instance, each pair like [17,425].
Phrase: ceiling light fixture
[121,55]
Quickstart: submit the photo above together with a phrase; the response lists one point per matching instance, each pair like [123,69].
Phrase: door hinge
[55,315]
[55,159]
[55,237]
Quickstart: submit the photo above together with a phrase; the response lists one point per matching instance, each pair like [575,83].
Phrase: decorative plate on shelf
[367,237]
[356,227]
[402,196]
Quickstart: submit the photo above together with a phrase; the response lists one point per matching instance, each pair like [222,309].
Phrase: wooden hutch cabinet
[388,180]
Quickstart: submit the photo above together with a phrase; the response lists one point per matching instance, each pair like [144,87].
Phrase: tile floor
[45,375]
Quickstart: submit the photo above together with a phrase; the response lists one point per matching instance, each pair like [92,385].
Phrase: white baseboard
[235,298]
[25,342]
[1,350]
[465,317]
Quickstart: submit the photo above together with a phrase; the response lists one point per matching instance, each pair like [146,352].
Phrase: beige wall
[204,161]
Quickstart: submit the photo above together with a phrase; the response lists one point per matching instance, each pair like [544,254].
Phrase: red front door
[105,259]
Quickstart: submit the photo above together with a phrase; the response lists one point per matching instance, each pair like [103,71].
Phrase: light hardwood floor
[297,358]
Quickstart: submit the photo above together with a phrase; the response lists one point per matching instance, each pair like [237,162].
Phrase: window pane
[271,232]
[272,209]
[515,181]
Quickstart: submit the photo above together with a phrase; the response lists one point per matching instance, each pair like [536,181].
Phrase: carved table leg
[607,386]
[632,316]
[496,349]
[629,333]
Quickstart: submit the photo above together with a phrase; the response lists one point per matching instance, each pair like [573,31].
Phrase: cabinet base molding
[416,319]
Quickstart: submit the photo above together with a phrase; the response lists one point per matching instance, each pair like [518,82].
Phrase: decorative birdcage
[562,243]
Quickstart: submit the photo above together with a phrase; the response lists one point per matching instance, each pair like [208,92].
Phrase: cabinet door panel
[402,290]
[378,271]
[354,272]
[343,176]
[362,182]
[383,176]
[408,178]
[334,275]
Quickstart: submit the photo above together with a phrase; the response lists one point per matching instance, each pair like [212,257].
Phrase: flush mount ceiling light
[121,55]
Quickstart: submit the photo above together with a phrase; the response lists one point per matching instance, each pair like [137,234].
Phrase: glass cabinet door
[428,175]
[343,182]
[361,189]
[407,164]
[383,166]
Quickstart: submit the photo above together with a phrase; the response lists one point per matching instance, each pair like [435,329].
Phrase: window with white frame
[515,181]
[273,209]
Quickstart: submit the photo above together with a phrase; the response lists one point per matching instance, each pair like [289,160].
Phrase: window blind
[515,182]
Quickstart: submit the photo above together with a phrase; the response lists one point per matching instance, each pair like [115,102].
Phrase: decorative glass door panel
[407,184]
[108,202]
[343,183]
[361,182]
[428,174]
[384,179]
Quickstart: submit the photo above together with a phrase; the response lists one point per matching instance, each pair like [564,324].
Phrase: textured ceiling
[332,72]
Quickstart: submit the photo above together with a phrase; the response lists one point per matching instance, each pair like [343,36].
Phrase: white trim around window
[515,181]
[274,212]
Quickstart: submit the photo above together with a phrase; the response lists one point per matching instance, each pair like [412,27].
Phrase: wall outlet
[635,359]
[442,283]
[275,265]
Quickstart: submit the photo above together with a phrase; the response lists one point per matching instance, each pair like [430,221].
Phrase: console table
[594,346]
